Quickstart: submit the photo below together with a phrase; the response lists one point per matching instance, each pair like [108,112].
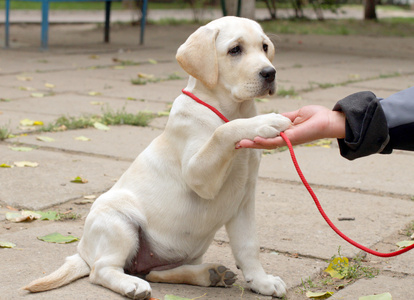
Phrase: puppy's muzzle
[268,74]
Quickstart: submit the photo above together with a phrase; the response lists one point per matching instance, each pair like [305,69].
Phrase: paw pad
[222,276]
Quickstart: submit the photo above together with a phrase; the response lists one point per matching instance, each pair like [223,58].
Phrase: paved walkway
[79,75]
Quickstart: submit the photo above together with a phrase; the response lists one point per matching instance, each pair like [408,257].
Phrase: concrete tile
[49,183]
[43,258]
[288,220]
[398,286]
[48,109]
[325,166]
[391,84]
[166,91]
[108,143]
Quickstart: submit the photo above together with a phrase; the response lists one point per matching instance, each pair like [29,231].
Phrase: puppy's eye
[265,47]
[235,51]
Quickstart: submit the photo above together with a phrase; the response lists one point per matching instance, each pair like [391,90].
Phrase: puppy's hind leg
[115,241]
[201,275]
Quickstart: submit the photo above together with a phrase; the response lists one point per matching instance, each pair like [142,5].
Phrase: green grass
[144,79]
[109,117]
[97,5]
[286,93]
[384,27]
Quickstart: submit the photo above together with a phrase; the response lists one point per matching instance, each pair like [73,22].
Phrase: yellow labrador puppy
[159,219]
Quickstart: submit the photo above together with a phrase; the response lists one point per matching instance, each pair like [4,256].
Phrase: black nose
[268,74]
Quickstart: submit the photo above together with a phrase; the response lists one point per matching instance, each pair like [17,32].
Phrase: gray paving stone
[398,287]
[49,183]
[43,258]
[108,143]
[288,220]
[367,174]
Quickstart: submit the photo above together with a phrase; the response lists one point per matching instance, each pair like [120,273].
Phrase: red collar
[192,96]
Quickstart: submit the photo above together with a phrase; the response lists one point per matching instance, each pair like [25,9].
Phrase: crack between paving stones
[279,252]
[105,66]
[341,188]
[54,149]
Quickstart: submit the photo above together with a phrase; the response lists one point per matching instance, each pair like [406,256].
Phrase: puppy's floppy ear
[198,56]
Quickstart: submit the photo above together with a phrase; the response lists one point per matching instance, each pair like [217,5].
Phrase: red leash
[311,192]
[318,205]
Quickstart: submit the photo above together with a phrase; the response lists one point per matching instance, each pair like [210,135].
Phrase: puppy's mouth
[268,89]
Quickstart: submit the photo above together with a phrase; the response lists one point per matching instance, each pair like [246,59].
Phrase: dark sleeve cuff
[366,126]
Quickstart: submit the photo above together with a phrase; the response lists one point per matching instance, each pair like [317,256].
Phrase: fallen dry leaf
[45,139]
[4,244]
[22,164]
[22,216]
[79,179]
[322,295]
[58,238]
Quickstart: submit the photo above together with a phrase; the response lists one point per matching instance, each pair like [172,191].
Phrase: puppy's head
[231,52]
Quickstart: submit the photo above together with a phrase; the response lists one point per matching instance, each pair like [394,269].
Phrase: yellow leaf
[325,143]
[145,76]
[45,139]
[100,126]
[21,149]
[5,166]
[49,85]
[37,95]
[163,113]
[28,122]
[93,93]
[404,244]
[338,267]
[384,296]
[22,216]
[322,295]
[24,78]
[82,138]
[79,179]
[22,164]
[26,88]
[4,244]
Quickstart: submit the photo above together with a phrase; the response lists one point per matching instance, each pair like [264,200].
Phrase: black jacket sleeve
[377,126]
[366,126]
[399,112]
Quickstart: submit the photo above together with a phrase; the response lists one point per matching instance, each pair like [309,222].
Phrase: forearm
[366,126]
[399,112]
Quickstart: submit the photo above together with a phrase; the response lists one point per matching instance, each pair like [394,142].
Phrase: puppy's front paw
[268,285]
[274,124]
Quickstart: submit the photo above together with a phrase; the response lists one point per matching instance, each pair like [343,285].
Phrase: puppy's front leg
[205,168]
[242,233]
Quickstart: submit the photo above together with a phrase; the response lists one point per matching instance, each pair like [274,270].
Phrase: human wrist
[337,124]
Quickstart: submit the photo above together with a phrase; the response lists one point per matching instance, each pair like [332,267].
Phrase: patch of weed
[4,132]
[152,79]
[286,93]
[122,117]
[355,269]
[108,117]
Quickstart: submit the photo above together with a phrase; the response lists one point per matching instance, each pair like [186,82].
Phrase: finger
[271,143]
[292,115]
[247,144]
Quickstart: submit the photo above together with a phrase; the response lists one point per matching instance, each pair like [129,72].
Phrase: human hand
[309,123]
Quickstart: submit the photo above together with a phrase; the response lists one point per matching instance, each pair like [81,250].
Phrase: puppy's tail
[73,268]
